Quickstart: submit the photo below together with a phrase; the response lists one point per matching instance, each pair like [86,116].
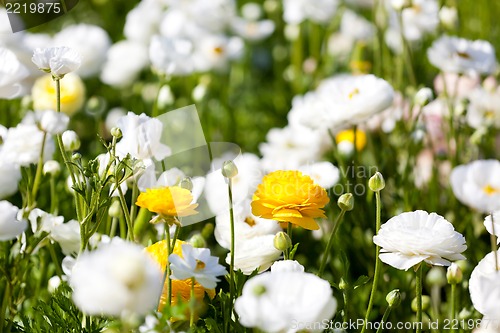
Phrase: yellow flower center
[353,93]
[218,50]
[463,55]
[250,221]
[490,190]
[199,265]
[348,135]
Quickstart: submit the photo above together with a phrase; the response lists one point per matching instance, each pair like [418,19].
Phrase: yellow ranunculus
[181,289]
[290,196]
[72,93]
[348,135]
[168,201]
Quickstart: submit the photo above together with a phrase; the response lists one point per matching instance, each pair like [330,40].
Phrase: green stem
[231,265]
[192,305]
[378,265]
[53,256]
[5,304]
[289,232]
[123,203]
[53,196]
[166,276]
[38,174]
[297,55]
[418,289]
[384,319]
[453,305]
[330,242]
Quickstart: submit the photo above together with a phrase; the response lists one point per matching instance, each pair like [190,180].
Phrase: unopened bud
[116,132]
[426,303]
[436,277]
[393,298]
[376,182]
[52,168]
[208,230]
[70,140]
[282,241]
[186,183]
[343,285]
[423,97]
[115,210]
[454,274]
[229,169]
[197,241]
[346,202]
[76,156]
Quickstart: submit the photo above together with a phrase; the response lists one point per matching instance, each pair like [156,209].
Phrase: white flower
[287,266]
[246,225]
[90,41]
[325,174]
[117,279]
[113,117]
[320,11]
[51,167]
[171,56]
[58,61]
[448,16]
[10,225]
[142,21]
[356,27]
[484,286]
[118,70]
[10,175]
[423,96]
[410,238]
[23,144]
[141,137]
[477,185]
[458,55]
[418,19]
[493,222]
[484,108]
[42,221]
[196,263]
[71,141]
[68,236]
[252,30]
[278,301]
[254,253]
[54,122]
[214,52]
[12,72]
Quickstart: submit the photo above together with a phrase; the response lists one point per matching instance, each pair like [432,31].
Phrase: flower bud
[464,314]
[448,17]
[426,303]
[423,97]
[76,156]
[70,140]
[208,230]
[282,241]
[454,274]
[393,298]
[229,169]
[399,4]
[346,202]
[343,285]
[436,277]
[376,182]
[52,168]
[116,132]
[197,241]
[186,183]
[115,210]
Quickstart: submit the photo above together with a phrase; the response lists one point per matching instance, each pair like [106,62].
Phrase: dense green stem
[330,242]
[192,304]
[384,319]
[38,174]
[453,305]
[418,289]
[231,265]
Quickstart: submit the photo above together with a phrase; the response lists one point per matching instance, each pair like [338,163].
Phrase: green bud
[208,230]
[346,202]
[393,298]
[76,156]
[116,132]
[197,241]
[426,303]
[436,277]
[115,210]
[376,182]
[282,241]
[259,290]
[229,169]
[464,314]
[343,285]
[423,96]
[186,183]
[52,168]
[454,274]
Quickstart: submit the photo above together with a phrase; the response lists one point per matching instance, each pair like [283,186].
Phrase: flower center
[353,93]
[199,265]
[490,190]
[416,8]
[489,114]
[250,221]
[463,55]
[218,50]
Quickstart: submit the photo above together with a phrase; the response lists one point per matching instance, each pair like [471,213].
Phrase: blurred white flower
[117,279]
[493,222]
[254,253]
[356,26]
[484,286]
[41,221]
[419,19]
[143,20]
[67,235]
[252,30]
[12,72]
[214,52]
[141,137]
[10,175]
[287,266]
[484,108]
[196,263]
[71,141]
[90,41]
[118,70]
[51,167]
[325,174]
[10,225]
[423,96]
[459,55]
[319,11]
[54,122]
[477,185]
[448,17]
[410,238]
[171,56]
[23,145]
[58,61]
[113,116]
[277,301]
[246,225]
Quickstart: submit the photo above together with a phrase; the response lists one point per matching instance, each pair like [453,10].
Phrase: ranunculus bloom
[10,226]
[72,94]
[12,72]
[410,238]
[58,61]
[289,196]
[484,286]
[492,224]
[168,201]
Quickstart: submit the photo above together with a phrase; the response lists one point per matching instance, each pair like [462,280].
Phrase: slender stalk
[378,265]
[231,265]
[38,174]
[53,256]
[123,203]
[330,242]
[5,303]
[453,305]
[167,268]
[289,232]
[384,319]
[191,305]
[53,196]
[418,289]
[493,242]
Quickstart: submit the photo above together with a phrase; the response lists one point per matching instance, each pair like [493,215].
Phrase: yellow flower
[72,93]
[181,289]
[290,196]
[348,135]
[168,201]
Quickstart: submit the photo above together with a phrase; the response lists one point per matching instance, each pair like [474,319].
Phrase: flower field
[249,166]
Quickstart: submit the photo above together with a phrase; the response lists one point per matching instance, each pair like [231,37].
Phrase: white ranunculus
[90,41]
[142,21]
[484,286]
[418,19]
[254,253]
[484,108]
[12,72]
[252,30]
[412,237]
[10,225]
[54,122]
[116,279]
[68,236]
[278,301]
[287,266]
[477,185]
[42,221]
[171,56]
[458,55]
[58,61]
[246,225]
[10,175]
[23,143]
[325,174]
[356,27]
[493,222]
[319,11]
[118,70]
[70,140]
[141,137]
